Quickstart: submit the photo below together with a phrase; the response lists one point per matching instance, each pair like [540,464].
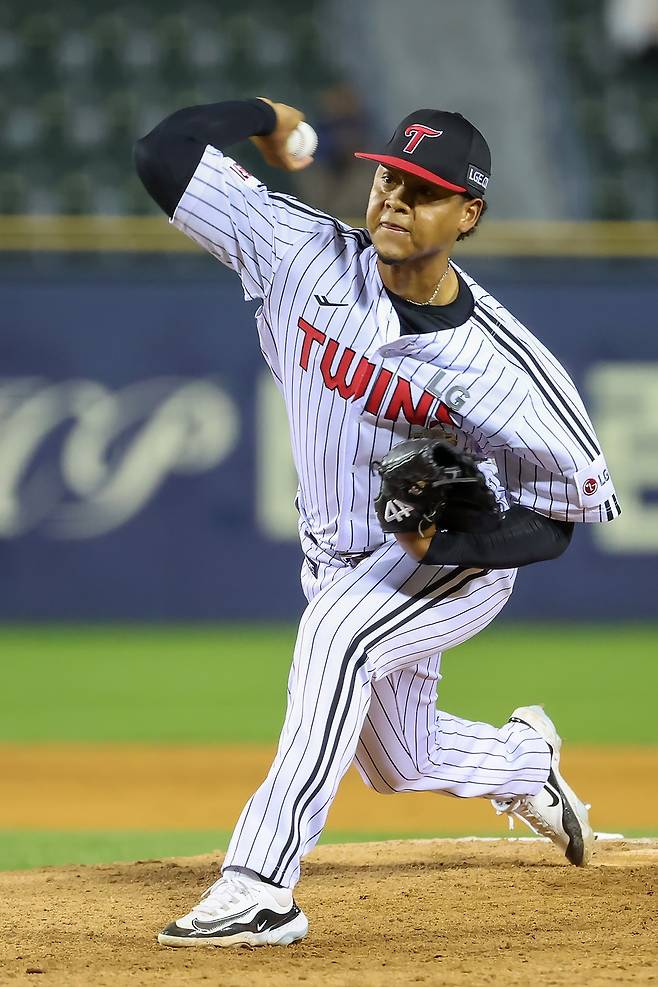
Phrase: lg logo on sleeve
[592,484]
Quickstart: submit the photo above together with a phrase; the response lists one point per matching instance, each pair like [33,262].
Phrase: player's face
[409,218]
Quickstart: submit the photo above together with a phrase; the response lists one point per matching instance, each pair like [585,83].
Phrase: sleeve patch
[593,484]
[244,175]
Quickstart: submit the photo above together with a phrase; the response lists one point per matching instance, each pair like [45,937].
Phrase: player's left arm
[554,464]
[521,538]
[437,503]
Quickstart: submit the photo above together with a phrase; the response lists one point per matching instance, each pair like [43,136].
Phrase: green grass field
[227,684]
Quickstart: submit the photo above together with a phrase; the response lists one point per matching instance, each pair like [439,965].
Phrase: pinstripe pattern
[517,408]
[366,665]
[406,746]
[369,630]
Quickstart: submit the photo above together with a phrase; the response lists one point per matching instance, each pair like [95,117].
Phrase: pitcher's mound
[381,914]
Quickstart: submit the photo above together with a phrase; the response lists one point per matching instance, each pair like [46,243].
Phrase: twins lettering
[353,381]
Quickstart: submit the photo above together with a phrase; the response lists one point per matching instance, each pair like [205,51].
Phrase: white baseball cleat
[239,911]
[556,811]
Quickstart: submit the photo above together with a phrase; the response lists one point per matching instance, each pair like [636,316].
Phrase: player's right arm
[211,198]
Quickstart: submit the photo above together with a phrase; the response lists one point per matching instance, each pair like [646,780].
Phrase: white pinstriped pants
[362,688]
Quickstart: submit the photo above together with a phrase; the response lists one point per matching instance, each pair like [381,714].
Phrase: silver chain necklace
[435,292]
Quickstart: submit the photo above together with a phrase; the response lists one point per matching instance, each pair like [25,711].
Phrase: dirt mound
[399,913]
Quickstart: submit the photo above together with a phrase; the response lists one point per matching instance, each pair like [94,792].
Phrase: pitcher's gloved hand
[426,482]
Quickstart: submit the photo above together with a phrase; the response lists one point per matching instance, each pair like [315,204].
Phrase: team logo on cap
[416,131]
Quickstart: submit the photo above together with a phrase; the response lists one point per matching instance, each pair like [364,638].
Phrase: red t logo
[417,131]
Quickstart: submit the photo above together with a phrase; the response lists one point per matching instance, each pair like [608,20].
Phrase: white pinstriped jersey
[354,386]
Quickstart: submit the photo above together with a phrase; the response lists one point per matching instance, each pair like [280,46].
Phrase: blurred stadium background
[147,532]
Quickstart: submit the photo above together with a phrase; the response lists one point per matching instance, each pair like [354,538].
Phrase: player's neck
[417,281]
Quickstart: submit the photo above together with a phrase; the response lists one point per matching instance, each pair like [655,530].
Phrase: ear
[470,214]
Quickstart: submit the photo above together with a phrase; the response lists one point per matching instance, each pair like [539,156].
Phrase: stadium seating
[80,82]
[614,102]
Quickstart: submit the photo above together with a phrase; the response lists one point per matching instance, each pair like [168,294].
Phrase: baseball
[302,142]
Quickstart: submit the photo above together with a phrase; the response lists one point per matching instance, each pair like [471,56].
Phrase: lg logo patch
[592,484]
[477,177]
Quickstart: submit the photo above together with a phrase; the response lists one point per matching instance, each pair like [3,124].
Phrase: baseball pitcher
[439,446]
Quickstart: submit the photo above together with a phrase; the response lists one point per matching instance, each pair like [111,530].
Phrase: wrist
[414,544]
[267,114]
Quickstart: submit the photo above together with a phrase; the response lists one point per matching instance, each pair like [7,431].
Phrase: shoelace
[522,809]
[222,895]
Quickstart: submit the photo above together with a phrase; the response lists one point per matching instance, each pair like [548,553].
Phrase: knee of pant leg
[382,781]
[373,780]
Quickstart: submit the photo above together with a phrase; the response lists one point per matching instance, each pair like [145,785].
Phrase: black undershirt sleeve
[167,158]
[521,538]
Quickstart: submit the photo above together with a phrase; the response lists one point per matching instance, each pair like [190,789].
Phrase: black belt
[353,558]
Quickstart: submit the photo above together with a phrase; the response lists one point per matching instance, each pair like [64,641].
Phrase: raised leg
[407,746]
[387,614]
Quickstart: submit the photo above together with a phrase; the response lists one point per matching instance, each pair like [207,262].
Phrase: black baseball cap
[441,147]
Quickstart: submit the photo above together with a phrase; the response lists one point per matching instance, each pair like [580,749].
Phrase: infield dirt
[433,912]
[131,786]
